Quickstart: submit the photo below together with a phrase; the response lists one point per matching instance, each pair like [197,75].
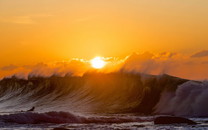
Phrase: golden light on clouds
[35,32]
[53,30]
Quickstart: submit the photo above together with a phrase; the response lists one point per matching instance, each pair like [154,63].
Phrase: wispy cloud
[23,19]
[200,54]
[17,20]
[84,19]
[9,67]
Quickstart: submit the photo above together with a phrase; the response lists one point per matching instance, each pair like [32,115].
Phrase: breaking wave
[117,92]
[190,99]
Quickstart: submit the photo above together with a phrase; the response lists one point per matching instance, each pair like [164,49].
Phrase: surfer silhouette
[32,109]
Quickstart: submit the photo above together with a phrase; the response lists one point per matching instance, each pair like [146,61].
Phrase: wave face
[116,92]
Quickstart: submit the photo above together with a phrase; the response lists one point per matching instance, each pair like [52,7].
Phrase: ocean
[117,100]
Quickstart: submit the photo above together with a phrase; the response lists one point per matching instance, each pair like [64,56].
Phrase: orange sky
[33,31]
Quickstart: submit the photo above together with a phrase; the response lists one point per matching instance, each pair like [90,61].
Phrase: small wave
[61,117]
[38,118]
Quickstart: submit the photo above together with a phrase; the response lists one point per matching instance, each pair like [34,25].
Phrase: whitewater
[117,100]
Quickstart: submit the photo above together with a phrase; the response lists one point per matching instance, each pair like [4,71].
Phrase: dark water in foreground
[116,100]
[51,120]
[115,121]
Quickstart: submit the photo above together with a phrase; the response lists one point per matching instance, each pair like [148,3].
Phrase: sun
[97,63]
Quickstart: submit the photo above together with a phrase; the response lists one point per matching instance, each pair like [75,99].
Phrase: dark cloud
[200,54]
[205,62]
[9,67]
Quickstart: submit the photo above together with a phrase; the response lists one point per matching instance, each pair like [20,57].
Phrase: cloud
[18,20]
[205,62]
[175,64]
[166,55]
[9,67]
[200,54]
[151,63]
[23,19]
[169,63]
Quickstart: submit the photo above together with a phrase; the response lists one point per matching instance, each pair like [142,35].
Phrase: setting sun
[75,62]
[97,63]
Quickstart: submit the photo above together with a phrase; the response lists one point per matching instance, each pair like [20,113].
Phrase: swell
[93,92]
[65,117]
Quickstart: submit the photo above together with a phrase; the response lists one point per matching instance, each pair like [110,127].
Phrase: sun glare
[97,63]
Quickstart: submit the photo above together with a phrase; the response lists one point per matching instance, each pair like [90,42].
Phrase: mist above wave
[180,65]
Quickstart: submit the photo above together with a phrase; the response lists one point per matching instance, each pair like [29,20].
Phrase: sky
[36,31]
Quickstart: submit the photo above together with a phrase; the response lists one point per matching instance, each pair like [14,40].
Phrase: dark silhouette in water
[173,120]
[32,109]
